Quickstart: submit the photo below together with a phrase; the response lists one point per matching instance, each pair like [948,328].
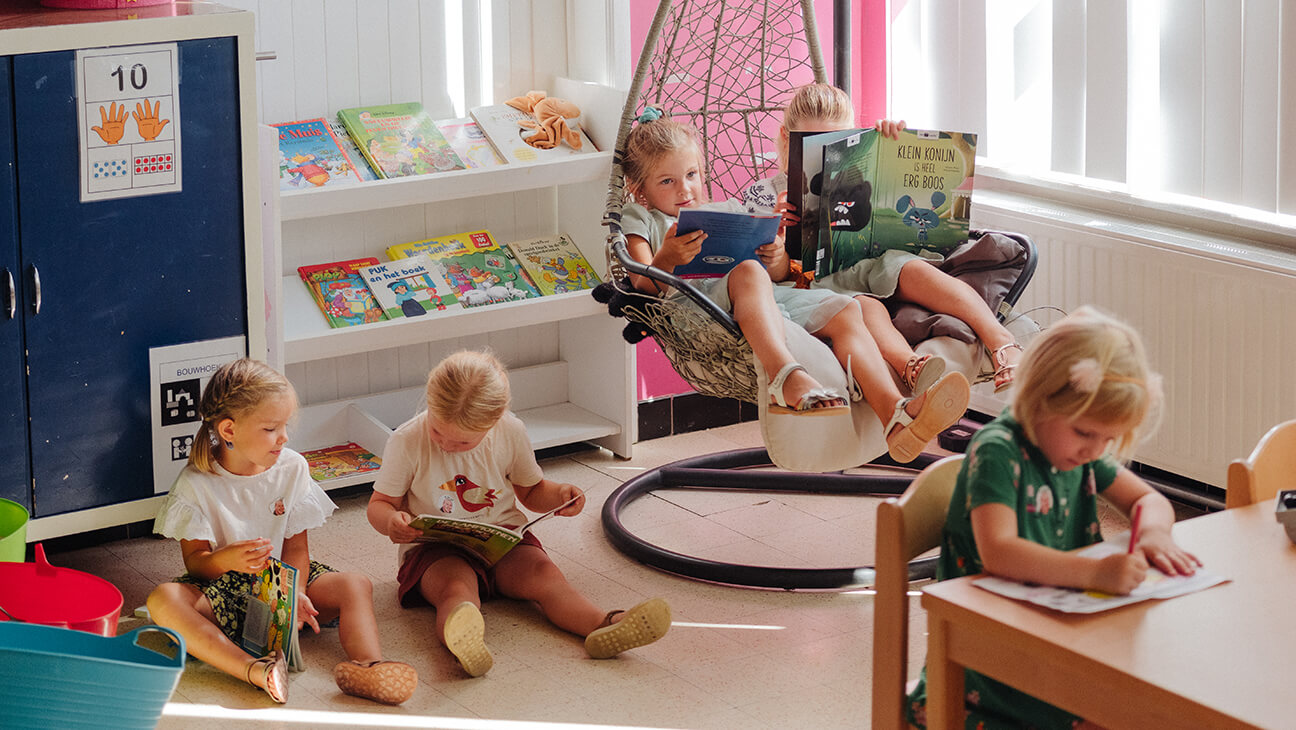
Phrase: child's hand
[244,556]
[398,527]
[570,491]
[1160,550]
[788,211]
[890,127]
[772,254]
[1120,574]
[678,250]
[306,612]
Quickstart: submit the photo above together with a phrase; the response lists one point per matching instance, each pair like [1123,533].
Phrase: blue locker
[15,472]
[117,277]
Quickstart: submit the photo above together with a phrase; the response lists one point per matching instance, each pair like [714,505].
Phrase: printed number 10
[138,77]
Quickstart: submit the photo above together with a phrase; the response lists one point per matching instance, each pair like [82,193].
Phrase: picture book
[310,156]
[487,277]
[409,287]
[341,292]
[1072,600]
[911,193]
[487,543]
[470,142]
[805,153]
[343,460]
[500,124]
[399,140]
[554,264]
[270,623]
[443,246]
[732,236]
[348,146]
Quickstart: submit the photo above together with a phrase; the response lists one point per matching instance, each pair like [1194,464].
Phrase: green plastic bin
[13,531]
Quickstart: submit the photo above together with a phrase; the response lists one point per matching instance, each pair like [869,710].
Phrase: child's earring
[215,440]
[229,444]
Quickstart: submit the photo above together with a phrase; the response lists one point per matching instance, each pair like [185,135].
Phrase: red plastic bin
[40,593]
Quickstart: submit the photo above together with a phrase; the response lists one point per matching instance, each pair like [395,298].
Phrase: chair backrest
[906,528]
[1269,469]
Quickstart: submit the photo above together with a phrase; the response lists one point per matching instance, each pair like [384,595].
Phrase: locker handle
[13,294]
[36,300]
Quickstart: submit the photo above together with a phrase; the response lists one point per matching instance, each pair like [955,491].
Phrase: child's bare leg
[850,340]
[527,573]
[450,585]
[928,286]
[761,323]
[184,609]
[877,320]
[349,596]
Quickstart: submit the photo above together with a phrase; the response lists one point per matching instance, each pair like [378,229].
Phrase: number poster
[129,105]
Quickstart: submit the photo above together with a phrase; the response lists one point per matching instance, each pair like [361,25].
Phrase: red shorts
[418,560]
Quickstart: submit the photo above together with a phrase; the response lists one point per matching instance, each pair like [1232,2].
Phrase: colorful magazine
[341,292]
[470,142]
[409,287]
[879,193]
[443,246]
[310,156]
[554,264]
[487,277]
[399,140]
[343,460]
[270,621]
[485,542]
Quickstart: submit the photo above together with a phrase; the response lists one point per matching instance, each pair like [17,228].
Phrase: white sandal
[947,399]
[812,398]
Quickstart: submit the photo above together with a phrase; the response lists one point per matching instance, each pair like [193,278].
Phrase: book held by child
[554,263]
[341,292]
[487,543]
[732,236]
[399,140]
[270,621]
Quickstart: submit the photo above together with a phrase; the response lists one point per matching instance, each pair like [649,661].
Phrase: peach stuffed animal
[552,121]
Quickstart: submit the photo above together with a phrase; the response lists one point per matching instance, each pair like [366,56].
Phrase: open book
[732,236]
[876,193]
[271,620]
[488,543]
[1073,600]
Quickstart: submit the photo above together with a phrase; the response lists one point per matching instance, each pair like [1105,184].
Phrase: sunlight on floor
[317,718]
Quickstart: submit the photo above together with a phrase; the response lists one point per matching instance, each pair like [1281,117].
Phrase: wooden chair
[906,528]
[1269,469]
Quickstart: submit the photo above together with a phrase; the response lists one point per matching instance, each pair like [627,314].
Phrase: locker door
[120,276]
[15,472]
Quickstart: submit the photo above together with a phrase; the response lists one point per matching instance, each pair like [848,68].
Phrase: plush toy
[555,120]
[616,298]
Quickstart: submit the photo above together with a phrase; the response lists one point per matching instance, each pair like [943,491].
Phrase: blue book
[732,237]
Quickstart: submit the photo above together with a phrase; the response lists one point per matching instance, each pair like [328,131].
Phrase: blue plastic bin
[55,677]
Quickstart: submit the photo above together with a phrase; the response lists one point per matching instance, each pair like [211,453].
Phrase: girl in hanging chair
[664,172]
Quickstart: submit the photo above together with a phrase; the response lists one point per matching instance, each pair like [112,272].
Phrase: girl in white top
[243,498]
[468,457]
[663,170]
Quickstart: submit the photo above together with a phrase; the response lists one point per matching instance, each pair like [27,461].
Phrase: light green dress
[1056,509]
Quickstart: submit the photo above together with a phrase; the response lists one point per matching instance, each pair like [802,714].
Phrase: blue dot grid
[111,168]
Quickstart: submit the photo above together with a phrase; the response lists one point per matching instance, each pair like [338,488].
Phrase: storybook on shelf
[334,462]
[410,287]
[270,621]
[443,246]
[554,263]
[732,236]
[913,193]
[1074,600]
[468,139]
[311,156]
[399,140]
[348,146]
[479,278]
[500,122]
[487,543]
[341,292]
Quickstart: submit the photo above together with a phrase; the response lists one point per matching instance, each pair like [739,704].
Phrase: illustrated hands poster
[129,126]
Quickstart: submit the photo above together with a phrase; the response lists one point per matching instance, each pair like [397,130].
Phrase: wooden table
[1222,657]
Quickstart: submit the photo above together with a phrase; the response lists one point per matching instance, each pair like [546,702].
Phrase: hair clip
[650,114]
[1086,375]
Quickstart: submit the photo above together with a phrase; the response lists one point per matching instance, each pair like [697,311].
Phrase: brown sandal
[1004,372]
[275,676]
[921,371]
[390,683]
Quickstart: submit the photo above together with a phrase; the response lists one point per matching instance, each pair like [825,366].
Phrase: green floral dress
[1056,509]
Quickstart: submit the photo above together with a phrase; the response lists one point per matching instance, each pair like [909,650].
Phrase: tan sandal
[465,637]
[1004,372]
[275,676]
[814,402]
[641,625]
[390,683]
[921,371]
[946,401]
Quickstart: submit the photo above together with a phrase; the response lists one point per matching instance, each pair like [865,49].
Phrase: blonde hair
[818,101]
[650,141]
[469,389]
[1089,365]
[235,389]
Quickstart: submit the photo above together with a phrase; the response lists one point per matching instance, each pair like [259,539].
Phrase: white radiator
[1218,317]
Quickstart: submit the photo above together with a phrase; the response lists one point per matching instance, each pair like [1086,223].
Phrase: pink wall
[868,89]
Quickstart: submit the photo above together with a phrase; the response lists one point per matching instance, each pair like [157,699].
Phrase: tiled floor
[735,657]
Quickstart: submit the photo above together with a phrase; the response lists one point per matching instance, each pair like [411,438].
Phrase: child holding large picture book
[905,275]
[467,456]
[243,501]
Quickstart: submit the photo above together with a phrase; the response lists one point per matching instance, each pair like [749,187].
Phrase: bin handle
[134,637]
